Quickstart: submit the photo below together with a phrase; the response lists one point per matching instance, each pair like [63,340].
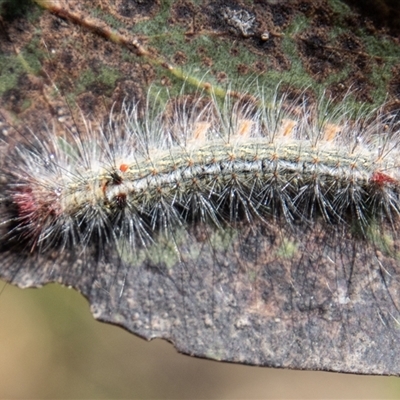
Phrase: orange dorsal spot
[381,179]
[287,127]
[200,131]
[330,131]
[274,157]
[316,160]
[244,127]
[124,167]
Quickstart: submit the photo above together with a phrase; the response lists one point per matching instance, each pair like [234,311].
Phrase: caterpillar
[215,165]
[234,209]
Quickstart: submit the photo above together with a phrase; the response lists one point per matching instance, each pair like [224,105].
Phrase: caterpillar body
[239,212]
[140,177]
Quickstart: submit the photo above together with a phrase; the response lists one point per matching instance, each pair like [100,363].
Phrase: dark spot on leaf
[180,58]
[385,13]
[183,12]
[133,8]
[280,14]
[12,9]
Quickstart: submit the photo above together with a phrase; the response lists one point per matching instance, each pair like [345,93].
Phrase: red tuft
[34,212]
[381,179]
[26,203]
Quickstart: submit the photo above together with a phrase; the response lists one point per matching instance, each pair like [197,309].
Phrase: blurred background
[51,347]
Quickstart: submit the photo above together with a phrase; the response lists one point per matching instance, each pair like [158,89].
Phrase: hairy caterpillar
[205,163]
[224,208]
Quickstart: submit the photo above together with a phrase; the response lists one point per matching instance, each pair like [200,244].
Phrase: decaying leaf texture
[309,298]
